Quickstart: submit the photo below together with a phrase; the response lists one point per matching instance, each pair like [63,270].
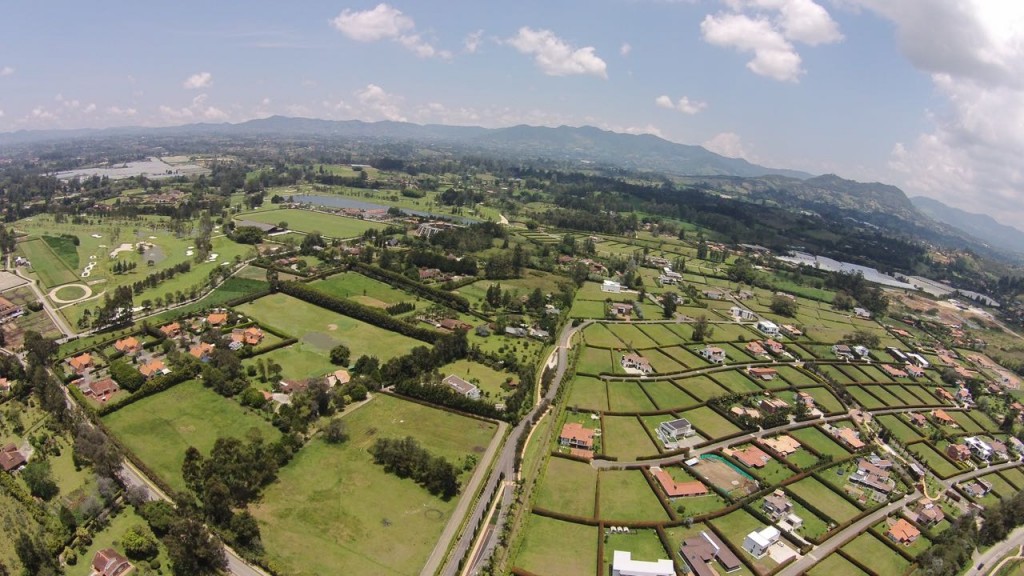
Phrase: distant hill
[981,226]
[586,144]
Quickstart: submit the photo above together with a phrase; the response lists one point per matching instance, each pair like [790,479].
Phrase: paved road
[834,543]
[58,319]
[503,466]
[989,561]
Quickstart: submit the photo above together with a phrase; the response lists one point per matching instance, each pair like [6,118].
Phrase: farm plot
[882,558]
[161,427]
[718,472]
[568,487]
[702,387]
[822,497]
[333,499]
[667,395]
[625,438]
[626,496]
[598,361]
[52,271]
[628,396]
[709,423]
[815,439]
[544,551]
[587,392]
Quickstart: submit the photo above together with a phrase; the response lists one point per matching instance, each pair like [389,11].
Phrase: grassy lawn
[900,429]
[702,387]
[625,438]
[803,459]
[824,498]
[161,427]
[52,271]
[882,559]
[553,548]
[825,399]
[599,335]
[628,396]
[332,499]
[864,398]
[110,537]
[64,248]
[625,495]
[362,289]
[643,544]
[587,309]
[632,336]
[835,565]
[660,334]
[308,221]
[663,363]
[322,329]
[597,361]
[817,440]
[667,395]
[736,381]
[932,459]
[488,379]
[568,487]
[587,392]
[709,422]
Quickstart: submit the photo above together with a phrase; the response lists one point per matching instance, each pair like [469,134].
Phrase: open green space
[362,289]
[332,499]
[625,438]
[823,498]
[628,396]
[818,441]
[667,395]
[111,536]
[883,559]
[52,271]
[626,496]
[835,565]
[736,381]
[709,422]
[308,221]
[553,548]
[643,544]
[161,427]
[488,379]
[599,335]
[702,387]
[899,428]
[568,487]
[588,392]
[932,459]
[65,249]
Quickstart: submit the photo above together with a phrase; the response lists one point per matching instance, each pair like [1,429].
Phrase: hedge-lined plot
[568,487]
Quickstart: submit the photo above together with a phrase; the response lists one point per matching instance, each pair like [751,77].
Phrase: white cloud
[555,57]
[625,49]
[90,108]
[768,29]
[6,71]
[198,110]
[1,113]
[974,52]
[473,40]
[727,144]
[118,111]
[379,103]
[385,22]
[197,81]
[40,113]
[684,104]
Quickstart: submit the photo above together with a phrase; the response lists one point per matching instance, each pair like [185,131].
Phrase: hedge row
[352,309]
[152,386]
[438,295]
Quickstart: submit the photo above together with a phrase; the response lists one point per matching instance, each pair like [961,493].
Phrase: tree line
[405,458]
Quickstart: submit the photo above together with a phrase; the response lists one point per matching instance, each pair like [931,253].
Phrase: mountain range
[874,204]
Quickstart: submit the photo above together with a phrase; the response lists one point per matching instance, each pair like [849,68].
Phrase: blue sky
[925,94]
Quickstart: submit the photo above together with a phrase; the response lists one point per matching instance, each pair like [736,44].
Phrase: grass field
[709,422]
[643,544]
[587,392]
[881,558]
[599,335]
[835,565]
[626,438]
[821,497]
[553,548]
[46,264]
[899,428]
[322,329]
[628,396]
[932,459]
[488,379]
[626,496]
[161,427]
[702,387]
[332,499]
[110,537]
[362,289]
[667,395]
[308,221]
[568,487]
[597,361]
[817,440]
[64,248]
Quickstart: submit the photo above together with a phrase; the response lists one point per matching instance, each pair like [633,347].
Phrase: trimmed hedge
[152,386]
[443,297]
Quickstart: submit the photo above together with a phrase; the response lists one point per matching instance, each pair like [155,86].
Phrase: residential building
[623,564]
[776,505]
[791,331]
[515,331]
[153,368]
[752,457]
[849,437]
[843,352]
[743,411]
[539,334]
[977,488]
[979,448]
[128,346]
[893,372]
[958,452]
[874,477]
[714,294]
[761,373]
[611,286]
[636,362]
[574,435]
[914,371]
[944,418]
[100,390]
[712,354]
[999,450]
[201,351]
[768,328]
[217,318]
[108,562]
[757,543]
[622,309]
[861,351]
[927,512]
[775,348]
[742,314]
[11,458]
[462,387]
[672,431]
[172,330]
[755,349]
[9,310]
[454,324]
[805,399]
[944,394]
[700,551]
[675,489]
[338,378]
[773,405]
[1016,445]
[250,336]
[917,359]
[862,313]
[81,363]
[918,419]
[903,532]
[896,354]
[5,385]
[783,444]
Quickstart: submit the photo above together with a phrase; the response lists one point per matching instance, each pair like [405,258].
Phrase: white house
[462,387]
[611,286]
[713,354]
[672,430]
[979,448]
[757,543]
[624,565]
[768,328]
[742,313]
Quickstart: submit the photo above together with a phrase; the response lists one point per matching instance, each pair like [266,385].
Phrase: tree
[335,432]
[862,338]
[783,305]
[246,530]
[38,478]
[139,543]
[160,515]
[340,355]
[668,306]
[193,550]
[702,329]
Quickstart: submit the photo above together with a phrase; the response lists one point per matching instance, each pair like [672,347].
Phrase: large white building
[768,328]
[611,286]
[757,543]
[624,565]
